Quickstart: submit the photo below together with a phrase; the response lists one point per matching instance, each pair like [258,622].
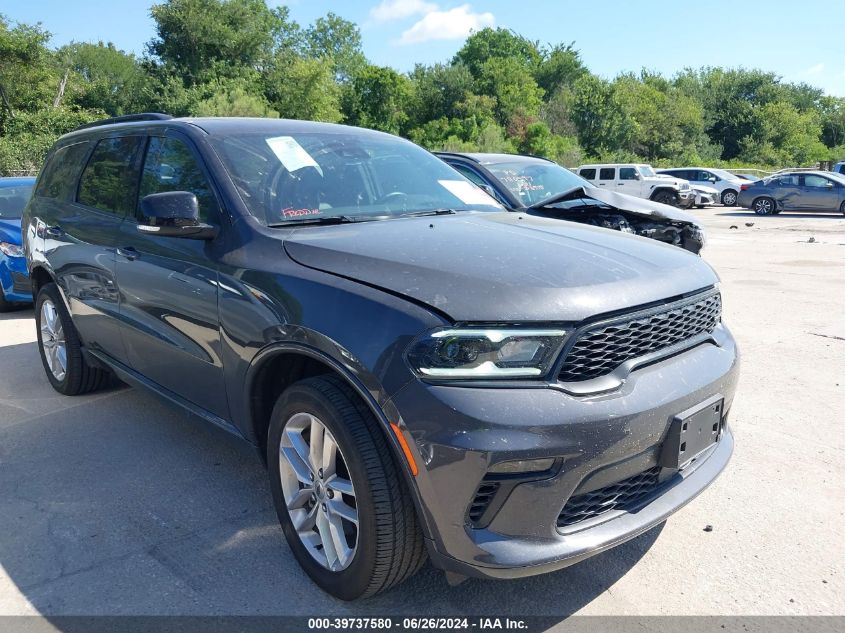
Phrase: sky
[801,42]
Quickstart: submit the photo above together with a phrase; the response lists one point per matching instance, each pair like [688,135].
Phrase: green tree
[376,98]
[304,89]
[488,43]
[438,91]
[104,77]
[598,116]
[515,90]
[234,101]
[337,40]
[560,67]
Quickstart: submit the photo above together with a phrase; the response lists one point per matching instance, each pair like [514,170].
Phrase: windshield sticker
[296,213]
[291,154]
[467,192]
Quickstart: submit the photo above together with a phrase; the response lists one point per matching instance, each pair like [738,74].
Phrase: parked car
[799,191]
[14,280]
[839,168]
[705,196]
[726,183]
[542,187]
[423,371]
[640,181]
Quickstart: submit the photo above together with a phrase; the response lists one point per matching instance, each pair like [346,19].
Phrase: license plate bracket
[692,432]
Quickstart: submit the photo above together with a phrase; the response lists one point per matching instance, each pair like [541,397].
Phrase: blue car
[14,279]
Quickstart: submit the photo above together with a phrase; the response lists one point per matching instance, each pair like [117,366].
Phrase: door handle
[54,231]
[129,252]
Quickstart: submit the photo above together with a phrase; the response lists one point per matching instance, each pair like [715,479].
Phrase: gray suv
[425,374]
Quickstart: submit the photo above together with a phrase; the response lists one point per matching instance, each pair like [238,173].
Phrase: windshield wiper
[415,214]
[329,219]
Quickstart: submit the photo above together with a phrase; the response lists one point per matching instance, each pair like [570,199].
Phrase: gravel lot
[116,504]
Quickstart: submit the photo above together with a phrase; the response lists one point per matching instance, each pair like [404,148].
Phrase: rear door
[607,178]
[168,285]
[787,189]
[79,242]
[819,193]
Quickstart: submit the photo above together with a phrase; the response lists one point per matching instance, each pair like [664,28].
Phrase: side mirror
[712,179]
[637,176]
[829,185]
[174,214]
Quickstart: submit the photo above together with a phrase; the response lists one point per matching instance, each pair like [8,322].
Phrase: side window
[787,181]
[607,173]
[58,177]
[703,176]
[817,182]
[588,174]
[627,173]
[110,180]
[170,166]
[469,173]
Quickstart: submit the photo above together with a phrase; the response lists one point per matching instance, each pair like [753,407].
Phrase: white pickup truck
[641,181]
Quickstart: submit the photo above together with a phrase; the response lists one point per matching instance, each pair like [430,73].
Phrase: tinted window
[819,182]
[110,179]
[589,174]
[13,200]
[627,173]
[469,173]
[170,166]
[59,175]
[703,176]
[607,173]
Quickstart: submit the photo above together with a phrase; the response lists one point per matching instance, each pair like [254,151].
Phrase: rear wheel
[60,347]
[666,197]
[764,206]
[729,197]
[842,208]
[339,494]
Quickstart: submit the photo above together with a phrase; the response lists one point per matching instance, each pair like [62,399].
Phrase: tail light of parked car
[744,187]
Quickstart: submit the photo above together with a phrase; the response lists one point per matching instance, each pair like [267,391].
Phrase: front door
[168,286]
[819,193]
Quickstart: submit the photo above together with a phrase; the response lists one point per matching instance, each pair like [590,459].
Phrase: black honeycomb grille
[599,351]
[623,495]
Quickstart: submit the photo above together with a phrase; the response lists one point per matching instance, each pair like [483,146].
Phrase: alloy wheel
[764,206]
[53,340]
[729,199]
[318,491]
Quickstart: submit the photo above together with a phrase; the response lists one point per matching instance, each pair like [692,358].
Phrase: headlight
[485,353]
[11,250]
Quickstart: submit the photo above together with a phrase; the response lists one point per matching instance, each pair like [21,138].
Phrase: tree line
[501,92]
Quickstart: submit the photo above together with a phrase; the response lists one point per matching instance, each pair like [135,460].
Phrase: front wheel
[729,198]
[339,494]
[665,197]
[764,206]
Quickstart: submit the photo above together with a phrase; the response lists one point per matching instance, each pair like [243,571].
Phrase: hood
[503,267]
[634,205]
[10,230]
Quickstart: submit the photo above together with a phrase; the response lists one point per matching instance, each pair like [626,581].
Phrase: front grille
[598,351]
[483,496]
[624,495]
[20,283]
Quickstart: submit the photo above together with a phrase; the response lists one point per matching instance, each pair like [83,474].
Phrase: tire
[386,546]
[666,197]
[764,206]
[729,197]
[58,339]
[842,208]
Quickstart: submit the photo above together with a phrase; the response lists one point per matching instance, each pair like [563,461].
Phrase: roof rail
[127,118]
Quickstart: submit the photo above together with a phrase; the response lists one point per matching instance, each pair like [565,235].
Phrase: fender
[352,380]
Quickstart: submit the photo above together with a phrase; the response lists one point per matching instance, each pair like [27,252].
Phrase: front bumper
[686,199]
[460,432]
[14,279]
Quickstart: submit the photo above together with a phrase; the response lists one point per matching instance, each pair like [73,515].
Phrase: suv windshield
[532,181]
[308,177]
[13,200]
[646,171]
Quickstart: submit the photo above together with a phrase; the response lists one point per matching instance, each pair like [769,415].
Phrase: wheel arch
[294,362]
[662,189]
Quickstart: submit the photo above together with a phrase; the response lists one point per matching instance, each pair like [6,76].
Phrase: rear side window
[170,166]
[627,173]
[607,173]
[59,175]
[110,180]
[588,174]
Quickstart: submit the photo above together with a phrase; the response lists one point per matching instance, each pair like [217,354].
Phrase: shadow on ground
[114,503]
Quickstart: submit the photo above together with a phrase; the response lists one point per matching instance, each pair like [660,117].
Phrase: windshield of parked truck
[647,171]
[533,181]
[315,176]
